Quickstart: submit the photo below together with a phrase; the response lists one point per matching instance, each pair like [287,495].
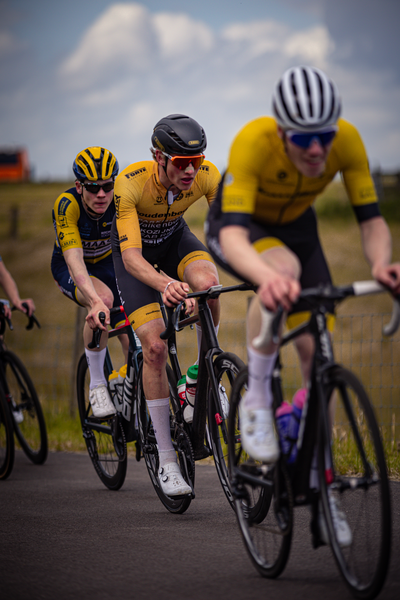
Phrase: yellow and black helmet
[95,163]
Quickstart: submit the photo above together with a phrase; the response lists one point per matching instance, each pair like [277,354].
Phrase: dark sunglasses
[182,162]
[304,140]
[94,188]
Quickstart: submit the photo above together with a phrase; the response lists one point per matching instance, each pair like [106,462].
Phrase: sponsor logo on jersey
[281,175]
[61,235]
[159,200]
[204,168]
[123,238]
[63,205]
[63,221]
[66,243]
[136,173]
[95,244]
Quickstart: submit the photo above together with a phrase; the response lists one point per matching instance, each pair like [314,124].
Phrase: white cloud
[132,67]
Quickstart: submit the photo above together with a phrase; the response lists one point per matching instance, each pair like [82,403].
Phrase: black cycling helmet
[95,163]
[179,134]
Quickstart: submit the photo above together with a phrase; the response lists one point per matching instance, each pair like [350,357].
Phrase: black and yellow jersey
[76,229]
[144,215]
[262,183]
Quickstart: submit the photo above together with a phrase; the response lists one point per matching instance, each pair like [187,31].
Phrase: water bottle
[282,417]
[191,382]
[116,384]
[298,402]
[182,389]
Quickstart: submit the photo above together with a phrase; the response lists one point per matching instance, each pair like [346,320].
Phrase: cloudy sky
[101,72]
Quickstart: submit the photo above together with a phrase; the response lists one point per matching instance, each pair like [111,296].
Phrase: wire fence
[51,355]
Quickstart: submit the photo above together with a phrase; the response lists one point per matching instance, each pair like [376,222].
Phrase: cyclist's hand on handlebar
[92,318]
[175,292]
[279,290]
[29,307]
[389,276]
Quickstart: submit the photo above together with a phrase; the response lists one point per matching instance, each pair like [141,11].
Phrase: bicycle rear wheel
[262,495]
[6,438]
[180,440]
[105,439]
[26,411]
[359,482]
[226,368]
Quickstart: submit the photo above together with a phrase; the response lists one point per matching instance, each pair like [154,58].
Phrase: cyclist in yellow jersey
[151,198]
[262,226]
[82,264]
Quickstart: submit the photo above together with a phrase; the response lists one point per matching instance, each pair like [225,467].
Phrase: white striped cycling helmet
[305,99]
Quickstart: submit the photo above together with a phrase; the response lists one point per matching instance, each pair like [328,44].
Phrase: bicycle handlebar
[32,320]
[95,343]
[270,322]
[174,313]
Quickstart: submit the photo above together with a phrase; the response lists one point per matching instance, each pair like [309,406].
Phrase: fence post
[77,351]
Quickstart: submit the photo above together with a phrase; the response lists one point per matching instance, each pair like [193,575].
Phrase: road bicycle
[339,436]
[205,436]
[20,409]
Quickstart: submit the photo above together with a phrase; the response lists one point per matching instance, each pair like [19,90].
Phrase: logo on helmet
[194,142]
[158,143]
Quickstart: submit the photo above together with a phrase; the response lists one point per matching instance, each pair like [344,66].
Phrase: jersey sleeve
[213,182]
[356,175]
[126,196]
[66,213]
[241,180]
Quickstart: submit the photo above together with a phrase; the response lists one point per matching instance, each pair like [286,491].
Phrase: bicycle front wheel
[180,440]
[226,368]
[6,438]
[356,476]
[26,411]
[262,495]
[105,440]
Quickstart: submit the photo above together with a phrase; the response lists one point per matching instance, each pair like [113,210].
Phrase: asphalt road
[64,536]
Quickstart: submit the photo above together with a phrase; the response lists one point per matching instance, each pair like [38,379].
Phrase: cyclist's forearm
[241,255]
[141,269]
[376,242]
[8,284]
[79,273]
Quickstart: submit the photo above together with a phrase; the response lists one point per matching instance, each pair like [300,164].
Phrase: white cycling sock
[199,334]
[259,394]
[159,413]
[95,361]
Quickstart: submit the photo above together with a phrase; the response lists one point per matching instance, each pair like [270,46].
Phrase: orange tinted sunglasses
[182,162]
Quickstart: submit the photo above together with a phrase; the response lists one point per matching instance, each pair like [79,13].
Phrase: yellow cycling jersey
[145,214]
[262,182]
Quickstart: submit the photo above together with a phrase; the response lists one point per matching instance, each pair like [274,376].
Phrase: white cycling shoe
[172,482]
[342,529]
[101,402]
[258,435]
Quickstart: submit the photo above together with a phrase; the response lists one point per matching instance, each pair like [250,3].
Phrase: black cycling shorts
[172,256]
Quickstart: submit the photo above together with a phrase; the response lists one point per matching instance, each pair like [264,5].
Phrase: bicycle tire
[359,479]
[264,514]
[21,395]
[105,441]
[7,449]
[226,368]
[180,440]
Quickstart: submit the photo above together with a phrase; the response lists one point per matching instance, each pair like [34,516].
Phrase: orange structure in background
[14,164]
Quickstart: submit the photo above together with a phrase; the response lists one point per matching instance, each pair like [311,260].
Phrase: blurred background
[101,72]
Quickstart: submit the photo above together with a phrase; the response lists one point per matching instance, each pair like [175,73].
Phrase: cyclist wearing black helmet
[262,227]
[82,264]
[151,198]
